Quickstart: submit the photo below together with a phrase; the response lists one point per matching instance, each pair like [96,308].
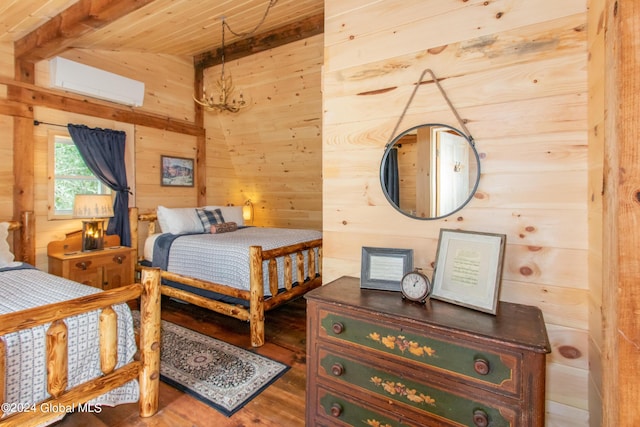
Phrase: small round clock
[415,286]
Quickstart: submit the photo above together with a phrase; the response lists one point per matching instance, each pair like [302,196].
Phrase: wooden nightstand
[105,269]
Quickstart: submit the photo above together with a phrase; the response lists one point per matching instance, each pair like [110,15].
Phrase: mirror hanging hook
[444,95]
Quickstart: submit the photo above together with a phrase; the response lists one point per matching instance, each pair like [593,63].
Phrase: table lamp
[247,211]
[94,207]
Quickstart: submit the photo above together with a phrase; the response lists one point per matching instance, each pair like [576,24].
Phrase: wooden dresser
[109,268]
[374,359]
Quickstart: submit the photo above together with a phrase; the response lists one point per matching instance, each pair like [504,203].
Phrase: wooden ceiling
[43,28]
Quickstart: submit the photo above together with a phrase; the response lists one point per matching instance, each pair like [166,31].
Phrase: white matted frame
[383,268]
[468,269]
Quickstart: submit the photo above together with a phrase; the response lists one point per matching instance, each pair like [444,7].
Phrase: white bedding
[26,370]
[224,258]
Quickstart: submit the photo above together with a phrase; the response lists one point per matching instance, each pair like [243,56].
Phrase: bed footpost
[149,377]
[256,302]
[26,242]
[133,224]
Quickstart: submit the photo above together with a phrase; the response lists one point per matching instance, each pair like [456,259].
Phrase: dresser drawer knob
[481,366]
[336,410]
[83,265]
[117,259]
[337,369]
[337,328]
[480,418]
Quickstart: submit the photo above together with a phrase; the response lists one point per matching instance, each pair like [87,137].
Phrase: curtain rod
[37,122]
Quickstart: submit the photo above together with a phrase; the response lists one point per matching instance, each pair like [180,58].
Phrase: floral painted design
[376,423]
[394,388]
[401,343]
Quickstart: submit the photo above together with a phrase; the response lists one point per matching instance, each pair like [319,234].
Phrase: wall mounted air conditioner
[83,79]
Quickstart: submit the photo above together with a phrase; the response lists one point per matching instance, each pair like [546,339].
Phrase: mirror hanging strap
[444,95]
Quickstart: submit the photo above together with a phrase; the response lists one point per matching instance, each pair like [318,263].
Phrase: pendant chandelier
[224,100]
[221,98]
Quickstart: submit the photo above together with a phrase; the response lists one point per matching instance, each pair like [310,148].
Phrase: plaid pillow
[209,218]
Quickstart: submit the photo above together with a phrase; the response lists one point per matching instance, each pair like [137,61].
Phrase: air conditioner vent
[83,79]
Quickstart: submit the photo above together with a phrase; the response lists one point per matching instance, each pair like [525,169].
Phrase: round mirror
[430,171]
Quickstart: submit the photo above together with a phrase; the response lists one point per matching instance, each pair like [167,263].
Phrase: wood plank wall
[168,81]
[517,72]
[596,117]
[6,139]
[271,152]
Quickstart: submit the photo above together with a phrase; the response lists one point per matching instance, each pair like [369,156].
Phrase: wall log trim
[621,364]
[57,34]
[34,95]
[15,109]
[303,29]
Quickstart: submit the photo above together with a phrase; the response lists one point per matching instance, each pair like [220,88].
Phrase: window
[70,176]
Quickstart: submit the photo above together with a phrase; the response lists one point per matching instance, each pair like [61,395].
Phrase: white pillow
[179,220]
[229,213]
[6,256]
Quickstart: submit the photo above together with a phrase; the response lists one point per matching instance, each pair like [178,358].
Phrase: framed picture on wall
[468,269]
[383,268]
[176,171]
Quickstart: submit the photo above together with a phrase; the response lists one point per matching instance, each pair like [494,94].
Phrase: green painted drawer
[428,400]
[343,410]
[478,366]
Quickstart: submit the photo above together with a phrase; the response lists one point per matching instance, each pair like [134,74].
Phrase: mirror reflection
[430,171]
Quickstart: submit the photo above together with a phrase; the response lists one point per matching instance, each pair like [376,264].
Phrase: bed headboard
[24,247]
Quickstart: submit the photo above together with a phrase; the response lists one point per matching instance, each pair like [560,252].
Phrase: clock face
[415,286]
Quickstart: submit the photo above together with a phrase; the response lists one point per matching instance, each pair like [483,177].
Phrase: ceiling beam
[299,30]
[31,95]
[58,34]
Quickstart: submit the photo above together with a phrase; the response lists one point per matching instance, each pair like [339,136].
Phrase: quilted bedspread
[224,258]
[26,371]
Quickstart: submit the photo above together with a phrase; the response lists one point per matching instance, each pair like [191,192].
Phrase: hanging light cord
[252,32]
[242,35]
[225,84]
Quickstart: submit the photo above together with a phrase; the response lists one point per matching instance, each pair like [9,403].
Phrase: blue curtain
[103,152]
[391,178]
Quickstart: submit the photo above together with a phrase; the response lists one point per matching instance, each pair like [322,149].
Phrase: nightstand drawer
[417,397]
[108,268]
[397,342]
[100,259]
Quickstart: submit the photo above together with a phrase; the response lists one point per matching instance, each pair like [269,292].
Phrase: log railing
[146,368]
[257,303]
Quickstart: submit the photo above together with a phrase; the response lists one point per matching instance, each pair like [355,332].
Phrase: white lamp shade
[93,206]
[247,211]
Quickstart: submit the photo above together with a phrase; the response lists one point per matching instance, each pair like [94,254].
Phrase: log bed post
[133,224]
[3,369]
[256,301]
[149,377]
[25,240]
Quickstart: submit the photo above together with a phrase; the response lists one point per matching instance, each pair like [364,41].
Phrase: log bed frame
[257,303]
[145,368]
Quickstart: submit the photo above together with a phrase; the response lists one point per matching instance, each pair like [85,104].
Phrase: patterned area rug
[219,374]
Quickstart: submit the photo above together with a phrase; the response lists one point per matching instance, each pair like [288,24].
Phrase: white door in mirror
[415,286]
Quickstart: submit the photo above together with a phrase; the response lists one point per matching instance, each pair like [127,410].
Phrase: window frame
[52,214]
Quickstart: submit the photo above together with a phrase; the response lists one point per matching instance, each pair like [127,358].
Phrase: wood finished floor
[282,404]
